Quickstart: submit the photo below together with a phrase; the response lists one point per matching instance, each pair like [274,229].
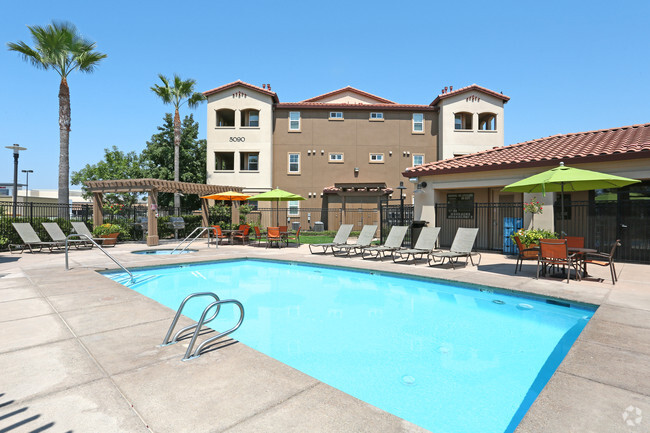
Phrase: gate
[393,212]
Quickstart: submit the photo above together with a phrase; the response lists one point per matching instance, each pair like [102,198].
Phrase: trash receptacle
[416,228]
[318,226]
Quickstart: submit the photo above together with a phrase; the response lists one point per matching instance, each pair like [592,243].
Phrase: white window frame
[420,123]
[295,206]
[294,120]
[378,158]
[289,171]
[336,115]
[333,157]
[376,116]
[418,154]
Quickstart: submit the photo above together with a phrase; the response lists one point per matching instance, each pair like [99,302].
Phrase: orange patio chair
[273,235]
[219,235]
[555,252]
[524,253]
[243,234]
[295,237]
[604,259]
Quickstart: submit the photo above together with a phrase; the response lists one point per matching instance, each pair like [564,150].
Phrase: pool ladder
[81,236]
[189,241]
[202,321]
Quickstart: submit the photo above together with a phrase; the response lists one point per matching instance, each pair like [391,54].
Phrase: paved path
[78,352]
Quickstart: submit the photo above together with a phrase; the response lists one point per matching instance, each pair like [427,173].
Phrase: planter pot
[111,239]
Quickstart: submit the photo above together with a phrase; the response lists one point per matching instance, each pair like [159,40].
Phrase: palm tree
[59,46]
[180,93]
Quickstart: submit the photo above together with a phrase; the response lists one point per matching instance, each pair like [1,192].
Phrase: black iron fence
[313,219]
[393,212]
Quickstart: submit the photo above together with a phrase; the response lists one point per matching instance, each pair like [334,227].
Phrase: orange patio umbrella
[228,195]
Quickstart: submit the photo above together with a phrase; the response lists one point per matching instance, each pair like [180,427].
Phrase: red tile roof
[367,107]
[468,89]
[241,83]
[627,142]
[349,89]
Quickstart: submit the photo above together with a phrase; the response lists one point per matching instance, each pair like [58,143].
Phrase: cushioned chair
[426,244]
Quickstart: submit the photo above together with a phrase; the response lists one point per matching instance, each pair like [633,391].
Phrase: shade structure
[228,195]
[276,195]
[566,179]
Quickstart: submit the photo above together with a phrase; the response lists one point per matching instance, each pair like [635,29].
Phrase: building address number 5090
[237,139]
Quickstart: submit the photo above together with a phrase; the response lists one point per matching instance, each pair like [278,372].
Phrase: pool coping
[618,338]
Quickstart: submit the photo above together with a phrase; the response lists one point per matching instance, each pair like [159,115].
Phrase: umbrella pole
[562,208]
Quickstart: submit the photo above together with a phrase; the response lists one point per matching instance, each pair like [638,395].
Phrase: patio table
[231,234]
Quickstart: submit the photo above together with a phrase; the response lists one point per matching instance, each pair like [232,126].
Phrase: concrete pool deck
[79,352]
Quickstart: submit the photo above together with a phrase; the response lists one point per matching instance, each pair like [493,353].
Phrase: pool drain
[408,380]
[498,301]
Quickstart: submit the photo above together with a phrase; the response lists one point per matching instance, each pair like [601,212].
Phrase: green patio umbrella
[276,195]
[563,178]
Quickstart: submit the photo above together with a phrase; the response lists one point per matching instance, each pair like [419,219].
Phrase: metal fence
[30,212]
[393,212]
[313,219]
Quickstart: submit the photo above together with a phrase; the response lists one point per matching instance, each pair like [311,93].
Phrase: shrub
[107,229]
[532,236]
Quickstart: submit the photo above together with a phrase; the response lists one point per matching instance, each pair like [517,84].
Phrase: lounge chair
[364,240]
[341,238]
[393,243]
[426,244]
[31,240]
[57,235]
[462,246]
[82,229]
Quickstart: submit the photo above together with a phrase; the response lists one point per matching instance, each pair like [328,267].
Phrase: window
[463,120]
[294,121]
[487,122]
[249,161]
[336,157]
[224,161]
[418,122]
[294,208]
[376,116]
[336,115]
[225,118]
[253,204]
[376,158]
[418,159]
[460,205]
[294,163]
[250,118]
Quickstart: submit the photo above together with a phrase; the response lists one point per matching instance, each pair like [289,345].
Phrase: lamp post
[27,183]
[16,148]
[401,189]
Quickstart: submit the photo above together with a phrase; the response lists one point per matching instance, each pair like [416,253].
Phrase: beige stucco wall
[347,97]
[257,139]
[468,141]
[356,137]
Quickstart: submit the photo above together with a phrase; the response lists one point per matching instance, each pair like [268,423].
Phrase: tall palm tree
[59,46]
[180,93]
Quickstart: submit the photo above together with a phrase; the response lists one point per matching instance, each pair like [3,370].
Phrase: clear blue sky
[568,66]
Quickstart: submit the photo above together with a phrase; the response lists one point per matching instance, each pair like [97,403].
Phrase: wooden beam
[98,209]
[152,220]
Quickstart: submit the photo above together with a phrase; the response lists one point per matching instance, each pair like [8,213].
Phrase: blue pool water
[449,358]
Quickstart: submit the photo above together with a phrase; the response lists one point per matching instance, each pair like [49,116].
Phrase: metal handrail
[166,340]
[203,230]
[100,248]
[200,323]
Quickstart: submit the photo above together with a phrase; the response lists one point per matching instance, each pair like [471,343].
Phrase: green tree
[158,163]
[181,92]
[60,47]
[115,165]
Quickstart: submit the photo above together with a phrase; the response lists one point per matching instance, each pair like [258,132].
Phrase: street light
[16,148]
[27,183]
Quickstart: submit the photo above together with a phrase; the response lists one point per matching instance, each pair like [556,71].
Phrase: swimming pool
[163,251]
[450,358]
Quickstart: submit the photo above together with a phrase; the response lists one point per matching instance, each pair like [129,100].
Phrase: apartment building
[345,146]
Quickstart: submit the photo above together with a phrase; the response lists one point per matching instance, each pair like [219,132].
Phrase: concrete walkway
[79,352]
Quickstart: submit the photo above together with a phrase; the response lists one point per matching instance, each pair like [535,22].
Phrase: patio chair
[273,235]
[341,238]
[30,239]
[462,246]
[219,236]
[242,234]
[82,229]
[363,241]
[555,252]
[57,235]
[524,253]
[258,235]
[426,244]
[393,243]
[294,237]
[575,241]
[603,259]
[284,229]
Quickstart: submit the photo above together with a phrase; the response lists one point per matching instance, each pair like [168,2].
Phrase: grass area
[320,237]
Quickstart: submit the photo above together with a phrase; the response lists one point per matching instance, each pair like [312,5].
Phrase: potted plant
[109,231]
[532,236]
[534,207]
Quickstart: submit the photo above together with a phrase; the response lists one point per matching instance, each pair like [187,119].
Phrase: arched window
[250,117]
[463,120]
[487,122]
[225,117]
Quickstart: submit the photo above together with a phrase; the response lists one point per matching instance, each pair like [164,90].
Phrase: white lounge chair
[462,246]
[57,235]
[341,238]
[363,241]
[31,240]
[393,243]
[426,244]
[82,229]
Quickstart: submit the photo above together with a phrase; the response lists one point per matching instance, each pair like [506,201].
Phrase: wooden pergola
[152,187]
